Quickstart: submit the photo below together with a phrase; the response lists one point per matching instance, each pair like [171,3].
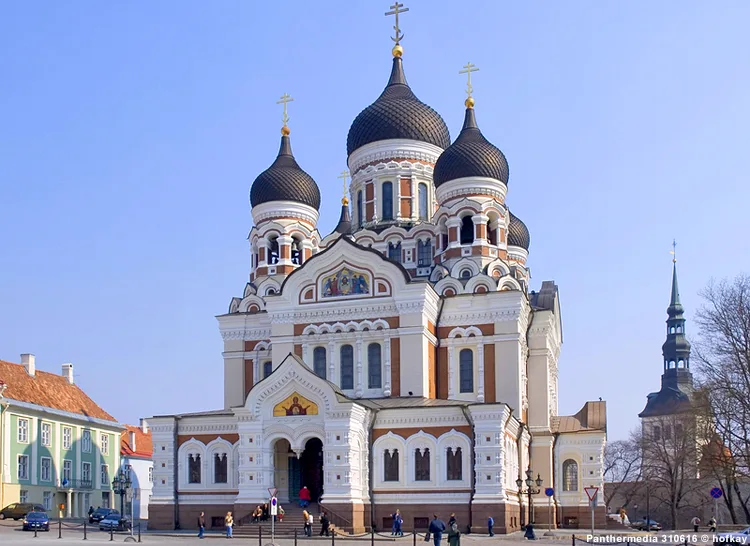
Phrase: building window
[23,496]
[466,370]
[657,433]
[23,431]
[46,469]
[47,500]
[105,475]
[394,252]
[491,234]
[678,431]
[387,201]
[104,439]
[127,470]
[374,372]
[424,253]
[86,441]
[360,219]
[67,473]
[422,465]
[347,366]
[390,465]
[150,474]
[194,468]
[319,361]
[273,251]
[422,194]
[454,464]
[267,369]
[667,432]
[467,230]
[296,252]
[570,475]
[67,434]
[220,468]
[23,467]
[86,473]
[46,434]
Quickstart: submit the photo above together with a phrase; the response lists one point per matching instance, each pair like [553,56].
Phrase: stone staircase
[292,521]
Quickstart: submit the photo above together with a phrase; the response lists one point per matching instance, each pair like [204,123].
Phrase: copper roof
[592,416]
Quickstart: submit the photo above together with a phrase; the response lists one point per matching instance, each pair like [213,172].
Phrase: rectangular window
[387,201]
[105,475]
[104,441]
[267,368]
[46,434]
[86,441]
[150,474]
[23,431]
[46,469]
[424,256]
[346,357]
[23,467]
[23,496]
[86,473]
[67,471]
[67,434]
[47,500]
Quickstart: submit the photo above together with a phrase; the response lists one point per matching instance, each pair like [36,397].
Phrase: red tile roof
[143,445]
[48,390]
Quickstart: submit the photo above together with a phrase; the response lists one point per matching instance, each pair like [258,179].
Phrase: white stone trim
[284,209]
[384,151]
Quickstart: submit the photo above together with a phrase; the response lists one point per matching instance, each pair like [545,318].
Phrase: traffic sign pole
[274,511]
[591,493]
[716,493]
[549,492]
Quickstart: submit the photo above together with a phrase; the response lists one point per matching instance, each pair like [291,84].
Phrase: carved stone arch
[449,283]
[219,446]
[191,448]
[497,265]
[439,272]
[311,329]
[352,326]
[276,432]
[365,325]
[325,329]
[267,285]
[306,432]
[462,264]
[284,382]
[250,289]
[480,280]
[234,305]
[380,324]
[263,346]
[338,327]
[246,305]
[420,440]
[508,283]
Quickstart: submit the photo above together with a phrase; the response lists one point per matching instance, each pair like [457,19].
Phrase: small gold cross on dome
[345,176]
[395,10]
[468,69]
[285,98]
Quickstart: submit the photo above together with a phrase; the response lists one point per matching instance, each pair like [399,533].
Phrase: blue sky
[131,133]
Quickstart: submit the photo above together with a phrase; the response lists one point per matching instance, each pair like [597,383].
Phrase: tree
[723,358]
[622,470]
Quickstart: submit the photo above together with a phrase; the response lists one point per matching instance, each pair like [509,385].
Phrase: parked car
[116,522]
[736,537]
[101,513]
[19,510]
[646,525]
[36,520]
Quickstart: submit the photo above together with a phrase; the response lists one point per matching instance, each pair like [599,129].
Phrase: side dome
[397,113]
[284,180]
[470,155]
[518,233]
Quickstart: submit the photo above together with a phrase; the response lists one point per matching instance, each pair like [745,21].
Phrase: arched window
[671,329]
[424,253]
[491,234]
[296,252]
[394,252]
[467,230]
[422,465]
[194,468]
[319,361]
[466,370]
[679,329]
[347,366]
[387,201]
[657,433]
[390,466]
[667,432]
[453,464]
[267,369]
[360,219]
[220,468]
[422,195]
[570,475]
[273,251]
[374,373]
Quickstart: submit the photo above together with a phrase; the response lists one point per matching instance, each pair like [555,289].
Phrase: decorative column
[256,367]
[387,365]
[397,198]
[263,248]
[285,249]
[306,249]
[68,502]
[414,201]
[359,388]
[451,367]
[480,228]
[453,224]
[480,371]
[304,355]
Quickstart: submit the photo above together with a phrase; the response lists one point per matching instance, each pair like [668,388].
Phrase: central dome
[397,113]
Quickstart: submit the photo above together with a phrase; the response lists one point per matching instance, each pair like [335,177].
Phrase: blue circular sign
[717,493]
[549,491]
[273,501]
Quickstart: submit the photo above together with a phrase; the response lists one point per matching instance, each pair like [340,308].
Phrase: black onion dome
[518,233]
[397,113]
[284,180]
[470,155]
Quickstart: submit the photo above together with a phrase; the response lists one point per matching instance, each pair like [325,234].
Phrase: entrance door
[311,466]
[295,479]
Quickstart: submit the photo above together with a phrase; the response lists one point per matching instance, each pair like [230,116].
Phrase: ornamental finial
[468,69]
[398,35]
[673,252]
[345,176]
[285,98]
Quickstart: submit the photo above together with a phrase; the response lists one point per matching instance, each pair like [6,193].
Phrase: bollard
[295,536]
[111,533]
[372,536]
[260,535]
[139,531]
[333,538]
[34,532]
[574,540]
[59,528]
[84,530]
[414,536]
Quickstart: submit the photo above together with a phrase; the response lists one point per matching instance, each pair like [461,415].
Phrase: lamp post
[530,490]
[120,485]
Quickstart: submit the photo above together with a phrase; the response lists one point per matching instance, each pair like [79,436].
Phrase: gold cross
[345,176]
[673,252]
[396,9]
[468,69]
[285,98]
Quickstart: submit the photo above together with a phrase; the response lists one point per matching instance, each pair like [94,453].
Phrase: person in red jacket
[304,497]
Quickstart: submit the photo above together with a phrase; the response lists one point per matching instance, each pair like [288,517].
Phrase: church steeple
[676,348]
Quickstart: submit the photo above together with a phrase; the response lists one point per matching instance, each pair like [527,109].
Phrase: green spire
[675,301]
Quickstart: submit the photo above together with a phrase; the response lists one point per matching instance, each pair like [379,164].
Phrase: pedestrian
[228,523]
[393,523]
[490,525]
[264,516]
[304,497]
[281,514]
[712,525]
[454,535]
[452,519]
[399,523]
[201,524]
[623,515]
[436,529]
[91,510]
[257,513]
[324,524]
[305,516]
[695,522]
[310,521]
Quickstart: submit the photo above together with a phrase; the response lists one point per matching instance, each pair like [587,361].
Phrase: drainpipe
[176,473]
[554,472]
[371,469]
[467,415]
[437,349]
[520,470]
[3,411]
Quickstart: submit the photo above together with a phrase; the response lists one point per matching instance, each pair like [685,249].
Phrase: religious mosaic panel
[346,282]
[295,404]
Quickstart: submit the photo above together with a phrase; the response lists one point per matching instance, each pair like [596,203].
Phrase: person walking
[393,523]
[304,497]
[695,522]
[490,525]
[310,522]
[453,533]
[399,524]
[305,516]
[281,513]
[436,529]
[712,525]
[325,523]
[452,519]
[228,523]
[201,524]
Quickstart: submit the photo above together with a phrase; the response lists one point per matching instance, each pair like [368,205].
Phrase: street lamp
[530,490]
[120,485]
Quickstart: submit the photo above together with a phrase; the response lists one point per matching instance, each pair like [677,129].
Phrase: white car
[738,537]
[114,522]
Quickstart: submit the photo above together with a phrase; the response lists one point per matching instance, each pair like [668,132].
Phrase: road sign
[591,492]
[274,507]
[272,491]
[717,493]
[549,491]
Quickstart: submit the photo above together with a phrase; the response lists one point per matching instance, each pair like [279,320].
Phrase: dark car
[36,520]
[101,513]
[646,525]
[19,509]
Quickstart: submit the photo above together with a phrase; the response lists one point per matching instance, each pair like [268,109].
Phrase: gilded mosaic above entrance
[346,282]
[295,404]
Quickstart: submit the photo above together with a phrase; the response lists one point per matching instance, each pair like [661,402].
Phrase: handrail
[329,512]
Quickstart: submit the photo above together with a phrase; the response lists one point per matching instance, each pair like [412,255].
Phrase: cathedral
[401,361]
